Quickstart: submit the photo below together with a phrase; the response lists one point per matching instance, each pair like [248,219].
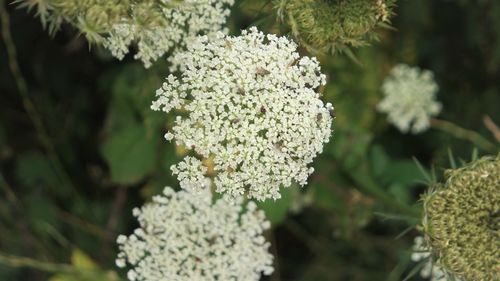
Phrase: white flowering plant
[268,181]
[187,236]
[409,98]
[154,27]
[179,27]
[253,107]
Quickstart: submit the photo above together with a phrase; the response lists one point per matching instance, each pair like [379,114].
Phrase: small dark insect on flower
[212,240]
[279,145]
[235,120]
[263,110]
[262,71]
[332,113]
[240,91]
[319,117]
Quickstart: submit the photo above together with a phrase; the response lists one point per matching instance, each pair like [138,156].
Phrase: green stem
[492,127]
[78,273]
[464,134]
[28,104]
[15,261]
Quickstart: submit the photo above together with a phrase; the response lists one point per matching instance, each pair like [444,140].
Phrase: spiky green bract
[462,221]
[334,25]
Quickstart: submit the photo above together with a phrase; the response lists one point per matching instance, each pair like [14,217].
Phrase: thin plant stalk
[28,104]
[465,134]
[15,261]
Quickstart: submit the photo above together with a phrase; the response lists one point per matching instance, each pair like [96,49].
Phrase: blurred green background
[63,204]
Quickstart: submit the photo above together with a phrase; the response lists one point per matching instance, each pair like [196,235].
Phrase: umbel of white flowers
[186,236]
[155,26]
[430,270]
[250,104]
[409,98]
[180,24]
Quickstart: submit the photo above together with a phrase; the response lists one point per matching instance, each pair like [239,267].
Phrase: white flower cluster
[185,236]
[429,269]
[252,107]
[191,173]
[184,21]
[409,98]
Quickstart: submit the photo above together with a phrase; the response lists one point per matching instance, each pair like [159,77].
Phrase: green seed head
[462,221]
[334,24]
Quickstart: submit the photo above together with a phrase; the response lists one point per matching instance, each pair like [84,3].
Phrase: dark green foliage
[361,196]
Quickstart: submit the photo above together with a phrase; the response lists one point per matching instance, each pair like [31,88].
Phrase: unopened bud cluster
[462,221]
[336,25]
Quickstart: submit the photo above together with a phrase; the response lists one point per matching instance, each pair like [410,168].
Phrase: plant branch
[114,216]
[276,276]
[15,261]
[492,127]
[464,134]
[83,225]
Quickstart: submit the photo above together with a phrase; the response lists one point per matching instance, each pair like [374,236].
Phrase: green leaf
[33,169]
[40,214]
[400,192]
[325,198]
[403,172]
[130,154]
[86,270]
[276,211]
[133,90]
[350,147]
[81,260]
[379,160]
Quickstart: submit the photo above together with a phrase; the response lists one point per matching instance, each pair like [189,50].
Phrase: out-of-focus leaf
[133,90]
[325,198]
[400,192]
[87,270]
[40,214]
[276,211]
[403,172]
[379,160]
[81,260]
[34,170]
[130,154]
[350,147]
[354,90]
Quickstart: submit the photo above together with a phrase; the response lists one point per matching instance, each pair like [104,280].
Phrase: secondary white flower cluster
[191,173]
[429,269]
[409,98]
[185,236]
[250,104]
[183,22]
